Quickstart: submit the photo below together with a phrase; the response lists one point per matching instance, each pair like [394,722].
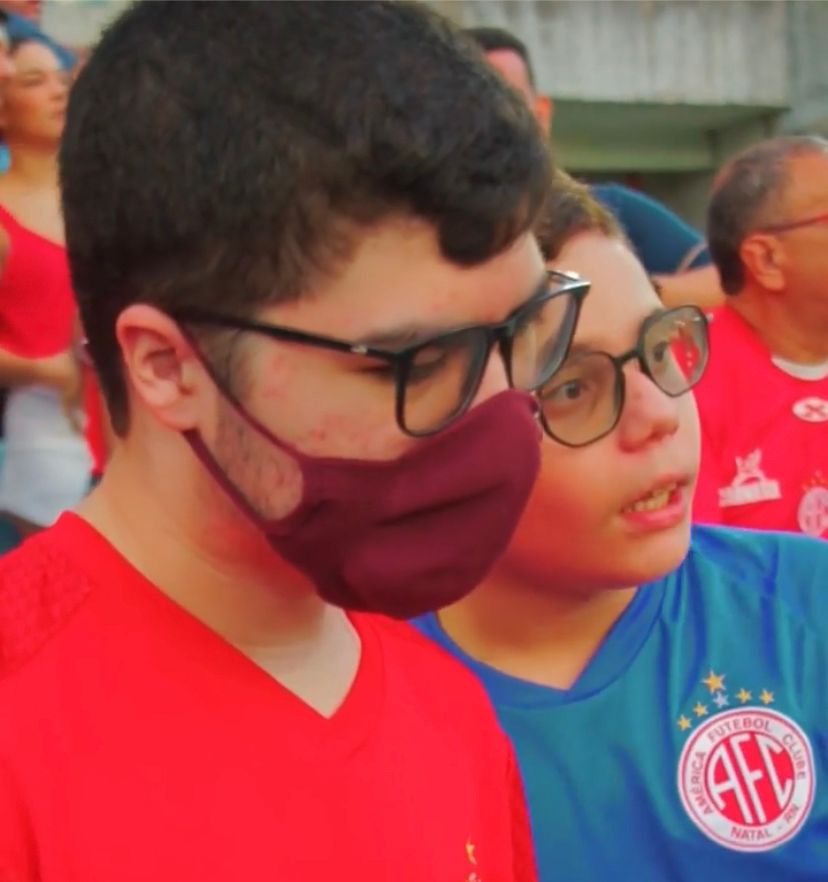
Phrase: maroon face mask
[414,534]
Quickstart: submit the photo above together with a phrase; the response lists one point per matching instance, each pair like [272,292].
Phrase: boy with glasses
[664,690]
[308,281]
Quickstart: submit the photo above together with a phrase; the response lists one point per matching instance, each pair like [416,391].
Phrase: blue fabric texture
[693,747]
[660,237]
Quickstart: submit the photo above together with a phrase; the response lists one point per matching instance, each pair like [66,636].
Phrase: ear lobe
[763,259]
[544,111]
[160,367]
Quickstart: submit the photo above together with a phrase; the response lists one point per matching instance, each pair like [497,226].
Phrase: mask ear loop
[231,399]
[204,454]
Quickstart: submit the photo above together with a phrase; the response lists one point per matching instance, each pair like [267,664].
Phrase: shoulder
[40,588]
[721,320]
[734,354]
[409,647]
[661,238]
[610,194]
[635,205]
[628,205]
[786,567]
[437,677]
[725,323]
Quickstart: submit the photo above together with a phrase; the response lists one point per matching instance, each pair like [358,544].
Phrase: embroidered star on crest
[766,697]
[721,700]
[743,695]
[683,723]
[700,710]
[714,682]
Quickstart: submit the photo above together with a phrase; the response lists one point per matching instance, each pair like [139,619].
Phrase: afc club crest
[746,777]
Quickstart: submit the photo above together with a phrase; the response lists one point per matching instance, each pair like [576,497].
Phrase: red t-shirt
[764,437]
[137,745]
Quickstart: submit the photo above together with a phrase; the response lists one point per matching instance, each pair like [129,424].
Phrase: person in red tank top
[46,467]
[763,401]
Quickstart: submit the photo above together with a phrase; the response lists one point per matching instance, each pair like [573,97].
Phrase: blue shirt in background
[660,237]
[693,747]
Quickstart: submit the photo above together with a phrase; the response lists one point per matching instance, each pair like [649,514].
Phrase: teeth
[656,499]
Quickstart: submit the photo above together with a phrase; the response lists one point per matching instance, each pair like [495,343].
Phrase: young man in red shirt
[763,401]
[298,233]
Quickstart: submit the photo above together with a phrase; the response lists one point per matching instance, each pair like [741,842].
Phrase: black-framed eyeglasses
[813,221]
[437,379]
[583,401]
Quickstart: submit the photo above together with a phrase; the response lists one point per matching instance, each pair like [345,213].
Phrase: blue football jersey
[693,746]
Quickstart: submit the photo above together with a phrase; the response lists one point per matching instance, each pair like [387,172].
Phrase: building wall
[662,91]
[666,89]
[79,22]
[671,51]
[808,67]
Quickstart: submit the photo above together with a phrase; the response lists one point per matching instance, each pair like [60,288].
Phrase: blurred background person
[764,399]
[28,9]
[6,64]
[669,249]
[23,23]
[47,465]
[22,18]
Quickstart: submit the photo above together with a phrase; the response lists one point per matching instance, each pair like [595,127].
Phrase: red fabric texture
[136,744]
[37,306]
[764,437]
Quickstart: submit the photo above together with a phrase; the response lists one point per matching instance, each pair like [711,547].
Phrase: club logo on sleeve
[746,774]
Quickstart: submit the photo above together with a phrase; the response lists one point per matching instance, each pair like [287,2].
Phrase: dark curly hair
[227,154]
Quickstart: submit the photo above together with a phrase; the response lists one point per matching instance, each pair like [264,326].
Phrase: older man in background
[764,399]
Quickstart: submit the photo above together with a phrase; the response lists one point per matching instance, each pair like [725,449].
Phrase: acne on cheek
[437,308]
[278,376]
[349,436]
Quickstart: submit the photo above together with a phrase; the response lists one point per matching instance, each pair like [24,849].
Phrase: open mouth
[655,499]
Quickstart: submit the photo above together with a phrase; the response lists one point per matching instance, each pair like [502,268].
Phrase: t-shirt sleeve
[660,237]
[522,848]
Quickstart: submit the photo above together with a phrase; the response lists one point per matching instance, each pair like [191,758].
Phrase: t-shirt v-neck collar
[195,652]
[615,654]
